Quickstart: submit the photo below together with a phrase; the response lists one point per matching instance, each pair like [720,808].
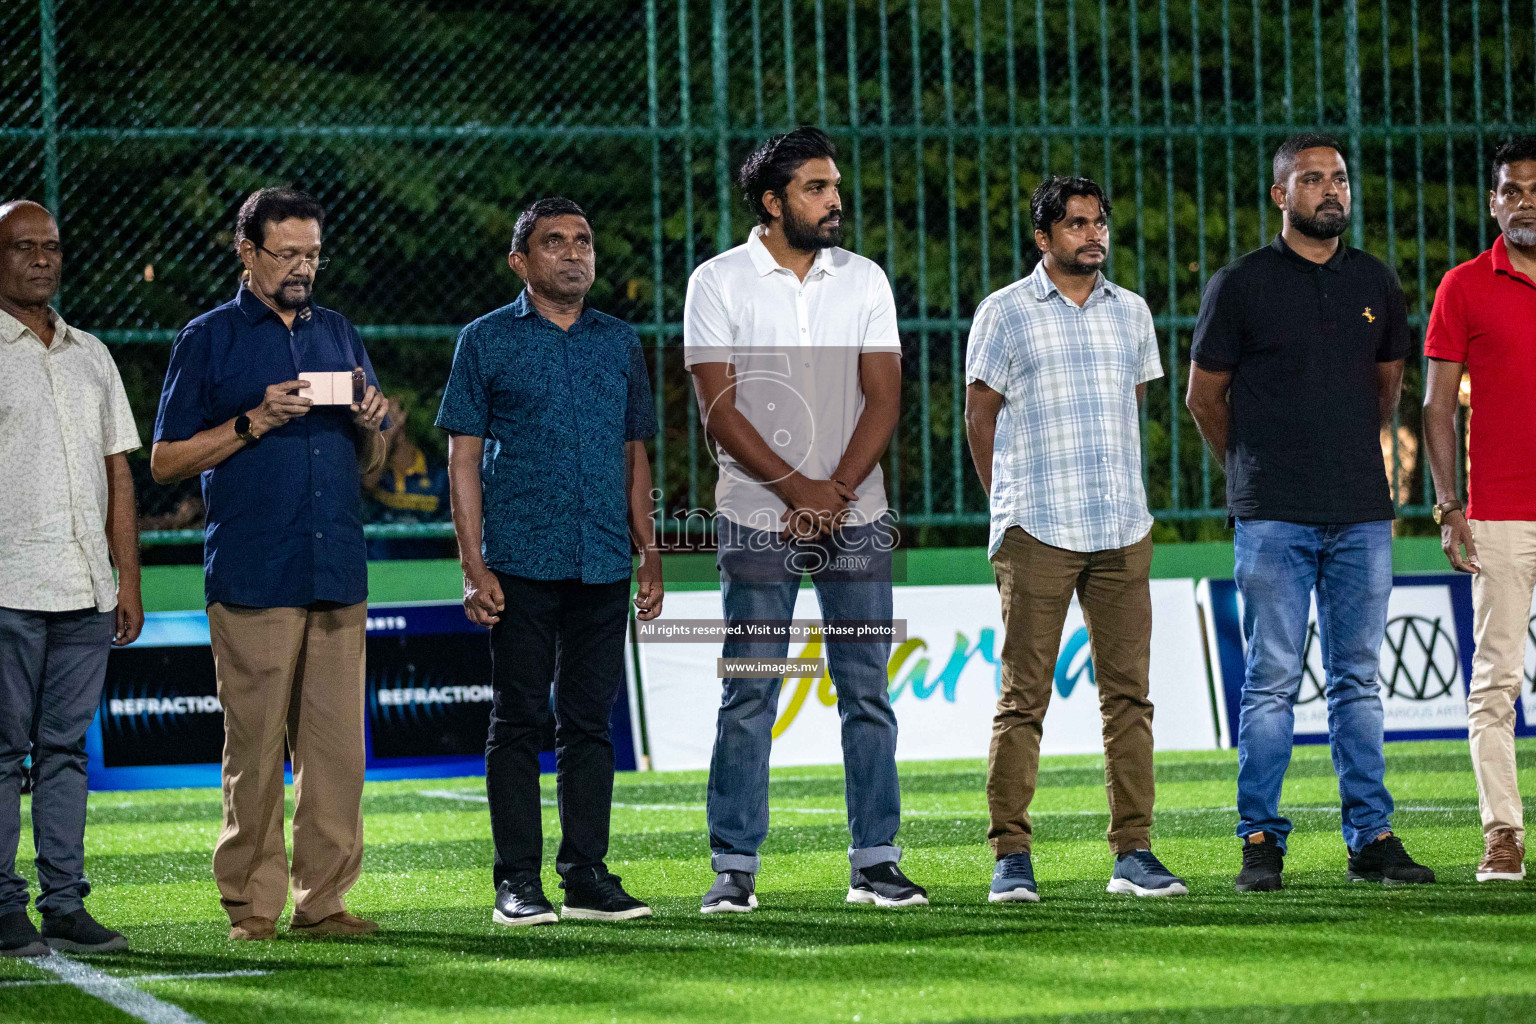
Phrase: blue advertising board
[427,686]
[1426,661]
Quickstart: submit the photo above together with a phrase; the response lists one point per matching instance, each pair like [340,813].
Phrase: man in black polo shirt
[1298,360]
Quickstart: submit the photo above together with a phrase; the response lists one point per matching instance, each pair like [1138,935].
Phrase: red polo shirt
[1485,317]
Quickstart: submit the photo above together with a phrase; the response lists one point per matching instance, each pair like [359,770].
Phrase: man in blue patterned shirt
[548,405]
[1056,366]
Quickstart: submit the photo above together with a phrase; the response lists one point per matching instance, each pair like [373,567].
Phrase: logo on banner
[1530,653]
[1074,662]
[1073,666]
[1418,663]
[915,682]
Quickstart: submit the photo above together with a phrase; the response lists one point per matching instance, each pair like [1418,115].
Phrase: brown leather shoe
[340,923]
[1505,857]
[253,929]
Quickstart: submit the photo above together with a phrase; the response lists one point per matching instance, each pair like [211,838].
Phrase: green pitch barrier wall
[180,587]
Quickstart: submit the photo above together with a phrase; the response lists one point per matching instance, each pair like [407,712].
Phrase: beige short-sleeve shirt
[63,410]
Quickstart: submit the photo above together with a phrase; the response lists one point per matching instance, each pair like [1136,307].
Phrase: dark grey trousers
[52,665]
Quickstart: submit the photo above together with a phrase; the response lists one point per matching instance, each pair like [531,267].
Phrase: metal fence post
[48,44]
[719,58]
[1352,112]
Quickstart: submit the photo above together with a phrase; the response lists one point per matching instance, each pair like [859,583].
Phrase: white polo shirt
[63,410]
[795,346]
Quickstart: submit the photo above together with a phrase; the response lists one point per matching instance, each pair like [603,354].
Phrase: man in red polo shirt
[1484,323]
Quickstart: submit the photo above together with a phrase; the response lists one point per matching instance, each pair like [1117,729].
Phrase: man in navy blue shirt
[548,406]
[285,569]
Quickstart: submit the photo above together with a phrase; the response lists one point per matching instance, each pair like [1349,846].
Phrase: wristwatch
[1445,508]
[243,430]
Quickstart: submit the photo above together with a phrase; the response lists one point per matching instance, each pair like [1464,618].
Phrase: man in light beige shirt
[68,510]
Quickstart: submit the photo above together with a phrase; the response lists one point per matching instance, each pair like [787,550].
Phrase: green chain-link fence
[426,126]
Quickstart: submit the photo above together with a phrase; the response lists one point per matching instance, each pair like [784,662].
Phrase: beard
[1079,267]
[1523,237]
[807,236]
[288,289]
[1322,224]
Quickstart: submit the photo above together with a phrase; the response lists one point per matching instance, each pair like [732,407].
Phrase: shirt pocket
[89,410]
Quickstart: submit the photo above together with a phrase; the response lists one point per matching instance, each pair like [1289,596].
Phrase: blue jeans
[759,578]
[1279,565]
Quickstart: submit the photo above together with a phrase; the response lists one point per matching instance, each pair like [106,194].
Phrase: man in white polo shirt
[797,365]
[67,506]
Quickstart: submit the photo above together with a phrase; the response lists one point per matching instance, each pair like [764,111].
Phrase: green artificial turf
[1321,950]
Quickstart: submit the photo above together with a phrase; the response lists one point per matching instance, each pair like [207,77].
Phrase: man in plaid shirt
[1056,366]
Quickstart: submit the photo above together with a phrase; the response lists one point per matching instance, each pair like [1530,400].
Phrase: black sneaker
[19,936]
[885,886]
[1263,860]
[734,892]
[1386,861]
[593,894]
[522,903]
[78,932]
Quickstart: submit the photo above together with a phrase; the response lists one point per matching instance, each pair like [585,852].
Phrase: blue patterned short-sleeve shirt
[556,408]
[1066,467]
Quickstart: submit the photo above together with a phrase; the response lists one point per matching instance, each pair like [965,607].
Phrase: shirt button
[317,451]
[318,535]
[317,494]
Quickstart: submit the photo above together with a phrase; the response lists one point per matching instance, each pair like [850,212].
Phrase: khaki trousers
[294,673]
[1036,582]
[1501,615]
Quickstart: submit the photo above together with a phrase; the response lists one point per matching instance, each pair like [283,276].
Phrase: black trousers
[569,635]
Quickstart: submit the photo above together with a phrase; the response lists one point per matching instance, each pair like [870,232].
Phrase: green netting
[426,126]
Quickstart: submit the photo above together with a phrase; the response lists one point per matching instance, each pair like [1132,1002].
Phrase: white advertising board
[943,682]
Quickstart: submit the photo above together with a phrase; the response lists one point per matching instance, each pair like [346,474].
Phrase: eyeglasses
[290,262]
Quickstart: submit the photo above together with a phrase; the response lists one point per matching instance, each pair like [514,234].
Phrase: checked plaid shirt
[1066,467]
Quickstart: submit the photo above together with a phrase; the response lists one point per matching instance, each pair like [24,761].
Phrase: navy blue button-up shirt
[284,523]
[556,409]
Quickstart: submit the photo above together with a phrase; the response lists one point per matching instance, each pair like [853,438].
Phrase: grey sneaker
[884,885]
[734,892]
[78,932]
[1013,880]
[1142,874]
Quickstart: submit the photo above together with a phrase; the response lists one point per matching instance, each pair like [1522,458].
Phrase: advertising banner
[1426,660]
[943,680]
[427,689]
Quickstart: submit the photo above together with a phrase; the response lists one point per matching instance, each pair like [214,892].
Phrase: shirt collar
[764,263]
[523,306]
[1501,265]
[1044,287]
[254,309]
[1335,262]
[12,329]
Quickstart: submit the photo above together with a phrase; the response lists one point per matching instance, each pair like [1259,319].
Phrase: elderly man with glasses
[273,401]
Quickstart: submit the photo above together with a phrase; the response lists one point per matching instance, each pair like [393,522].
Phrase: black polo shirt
[1302,341]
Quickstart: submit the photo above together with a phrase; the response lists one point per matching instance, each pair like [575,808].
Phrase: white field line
[480,798]
[113,991]
[138,978]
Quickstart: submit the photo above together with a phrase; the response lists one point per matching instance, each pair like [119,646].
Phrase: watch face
[1438,514]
